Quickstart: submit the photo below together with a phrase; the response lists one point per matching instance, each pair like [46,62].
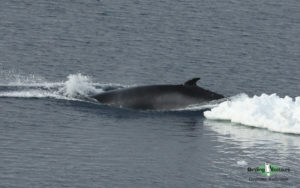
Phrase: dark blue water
[50,138]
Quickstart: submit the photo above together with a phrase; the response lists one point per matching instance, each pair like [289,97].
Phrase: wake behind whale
[158,97]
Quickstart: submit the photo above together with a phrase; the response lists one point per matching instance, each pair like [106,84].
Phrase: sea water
[55,54]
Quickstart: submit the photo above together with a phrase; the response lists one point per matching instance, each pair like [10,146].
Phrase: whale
[158,97]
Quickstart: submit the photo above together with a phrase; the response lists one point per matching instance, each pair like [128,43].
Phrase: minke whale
[158,97]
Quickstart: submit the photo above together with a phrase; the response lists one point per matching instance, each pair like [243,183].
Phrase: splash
[12,78]
[266,111]
[76,87]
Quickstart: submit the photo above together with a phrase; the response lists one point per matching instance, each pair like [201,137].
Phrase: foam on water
[197,107]
[76,87]
[266,111]
[34,94]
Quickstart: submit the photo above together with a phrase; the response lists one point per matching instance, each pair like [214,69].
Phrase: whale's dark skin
[158,97]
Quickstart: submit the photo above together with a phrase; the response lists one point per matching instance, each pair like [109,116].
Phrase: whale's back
[159,97]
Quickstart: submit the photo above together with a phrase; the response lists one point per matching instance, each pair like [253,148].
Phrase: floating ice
[265,111]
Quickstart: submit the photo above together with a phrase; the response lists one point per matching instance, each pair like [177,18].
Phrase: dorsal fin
[191,82]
